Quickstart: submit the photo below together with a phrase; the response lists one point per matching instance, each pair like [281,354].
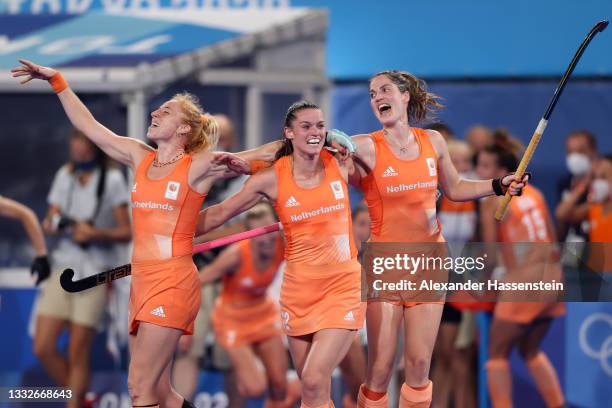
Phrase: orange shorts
[236,325]
[528,312]
[165,293]
[321,297]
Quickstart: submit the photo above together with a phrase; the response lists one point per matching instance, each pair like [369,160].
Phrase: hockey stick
[124,270]
[535,139]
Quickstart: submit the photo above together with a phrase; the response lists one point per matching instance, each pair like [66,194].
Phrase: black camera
[61,223]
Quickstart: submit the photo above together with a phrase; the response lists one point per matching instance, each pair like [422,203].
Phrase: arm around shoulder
[257,187]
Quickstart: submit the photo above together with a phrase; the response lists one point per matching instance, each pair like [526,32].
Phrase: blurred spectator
[580,154]
[444,130]
[479,137]
[12,209]
[88,212]
[597,211]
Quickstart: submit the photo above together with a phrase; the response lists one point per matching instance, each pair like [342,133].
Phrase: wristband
[497,187]
[58,83]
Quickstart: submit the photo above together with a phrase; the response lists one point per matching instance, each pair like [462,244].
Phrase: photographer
[88,214]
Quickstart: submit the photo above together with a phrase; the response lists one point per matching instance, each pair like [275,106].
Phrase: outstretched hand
[228,164]
[31,71]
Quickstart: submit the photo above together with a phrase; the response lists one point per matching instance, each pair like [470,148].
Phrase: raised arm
[262,153]
[260,186]
[457,188]
[123,149]
[226,262]
[12,209]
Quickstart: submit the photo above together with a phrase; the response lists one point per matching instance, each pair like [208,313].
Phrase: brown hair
[589,136]
[100,157]
[287,148]
[507,148]
[204,132]
[422,104]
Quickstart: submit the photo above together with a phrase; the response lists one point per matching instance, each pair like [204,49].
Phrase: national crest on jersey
[401,194]
[318,227]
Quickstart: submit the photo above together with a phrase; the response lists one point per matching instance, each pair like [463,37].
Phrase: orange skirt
[237,325]
[528,312]
[321,297]
[165,293]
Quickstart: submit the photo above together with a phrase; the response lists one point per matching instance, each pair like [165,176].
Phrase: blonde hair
[422,104]
[204,133]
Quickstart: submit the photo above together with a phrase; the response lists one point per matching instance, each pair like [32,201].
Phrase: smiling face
[307,131]
[388,103]
[166,122]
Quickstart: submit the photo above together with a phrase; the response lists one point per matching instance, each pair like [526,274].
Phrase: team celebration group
[301,181]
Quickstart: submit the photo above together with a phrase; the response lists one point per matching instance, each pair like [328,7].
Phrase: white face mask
[578,164]
[600,190]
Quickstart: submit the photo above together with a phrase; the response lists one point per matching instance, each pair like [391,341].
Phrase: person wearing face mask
[581,152]
[597,211]
[88,214]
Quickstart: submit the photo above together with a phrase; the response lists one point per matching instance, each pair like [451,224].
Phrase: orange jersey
[527,219]
[527,222]
[322,282]
[600,224]
[164,213]
[458,219]
[401,194]
[243,314]
[316,221]
[600,234]
[247,283]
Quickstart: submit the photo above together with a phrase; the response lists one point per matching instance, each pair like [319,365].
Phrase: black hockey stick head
[66,281]
[601,25]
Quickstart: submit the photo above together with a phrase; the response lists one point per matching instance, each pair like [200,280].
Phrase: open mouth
[154,125]
[313,141]
[384,107]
